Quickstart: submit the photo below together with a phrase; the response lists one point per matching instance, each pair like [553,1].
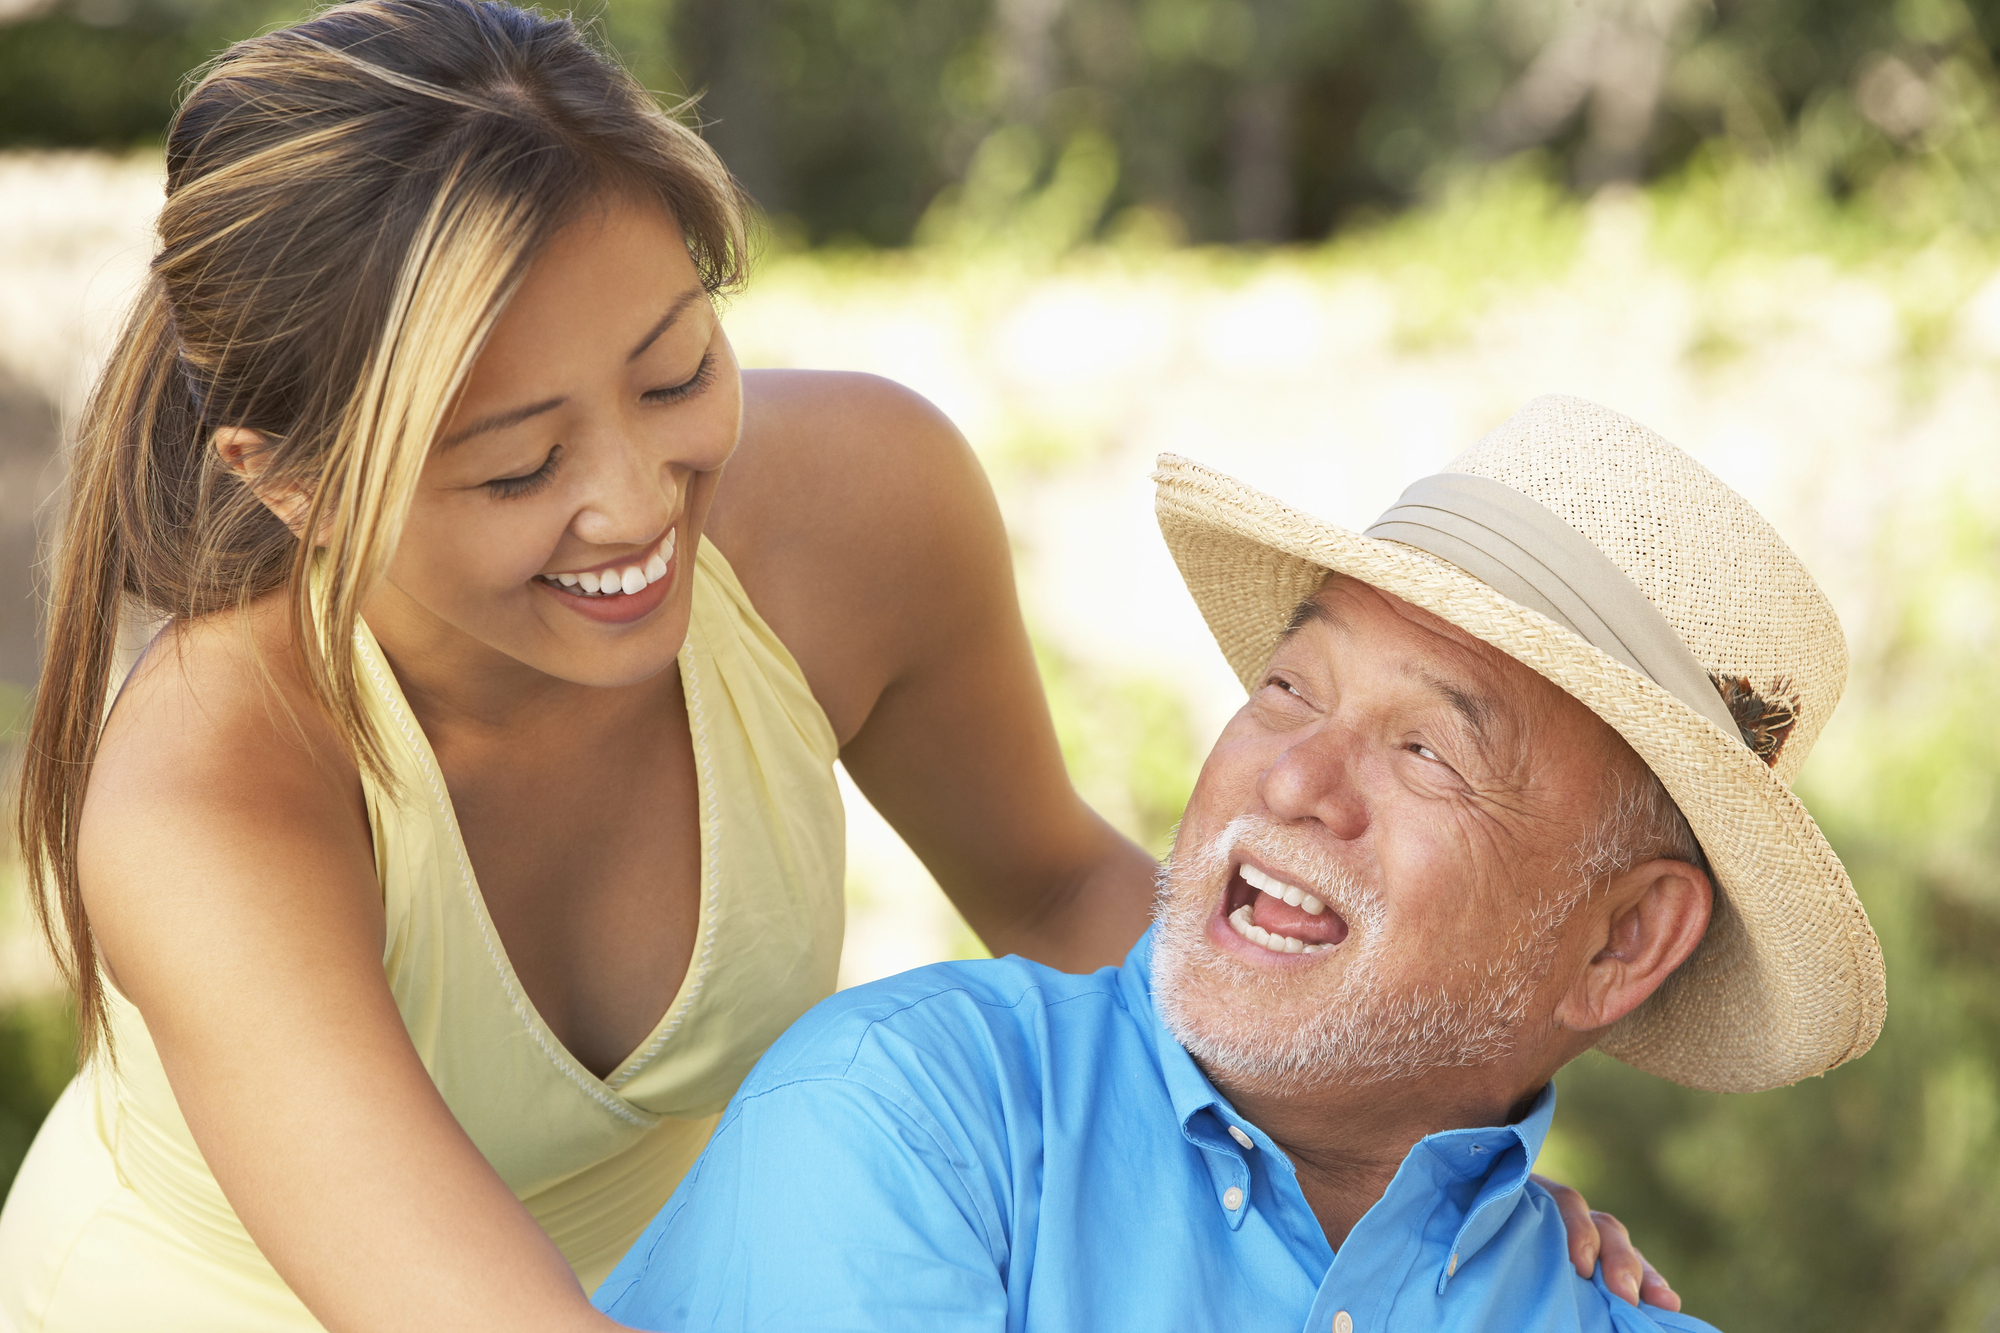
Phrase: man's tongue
[1280,917]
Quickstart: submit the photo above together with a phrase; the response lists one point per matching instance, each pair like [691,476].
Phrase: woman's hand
[1594,1236]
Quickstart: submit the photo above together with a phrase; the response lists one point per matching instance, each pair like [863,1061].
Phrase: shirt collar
[1187,1087]
[1498,1157]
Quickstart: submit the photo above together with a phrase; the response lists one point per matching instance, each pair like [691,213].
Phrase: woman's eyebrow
[513,416]
[674,312]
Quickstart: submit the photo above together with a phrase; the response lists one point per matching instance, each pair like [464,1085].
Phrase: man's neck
[1347,1143]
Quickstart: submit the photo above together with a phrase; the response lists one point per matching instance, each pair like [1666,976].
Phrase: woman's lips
[609,603]
[616,578]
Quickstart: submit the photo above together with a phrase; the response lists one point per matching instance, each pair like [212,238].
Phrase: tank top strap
[774,839]
[730,629]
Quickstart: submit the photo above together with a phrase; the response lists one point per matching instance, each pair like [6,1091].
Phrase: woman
[470,829]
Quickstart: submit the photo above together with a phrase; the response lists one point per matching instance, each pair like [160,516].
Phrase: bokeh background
[1324,246]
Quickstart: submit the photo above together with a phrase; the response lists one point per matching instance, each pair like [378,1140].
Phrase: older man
[1512,781]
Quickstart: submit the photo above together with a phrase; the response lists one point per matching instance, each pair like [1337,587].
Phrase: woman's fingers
[1579,1222]
[1594,1236]
[1624,1269]
[1654,1289]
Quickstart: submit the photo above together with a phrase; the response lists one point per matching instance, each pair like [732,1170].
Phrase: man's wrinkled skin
[1432,792]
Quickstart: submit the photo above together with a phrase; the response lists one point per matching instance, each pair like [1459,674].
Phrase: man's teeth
[1277,888]
[620,582]
[1239,920]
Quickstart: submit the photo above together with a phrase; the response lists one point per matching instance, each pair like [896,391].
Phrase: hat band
[1526,553]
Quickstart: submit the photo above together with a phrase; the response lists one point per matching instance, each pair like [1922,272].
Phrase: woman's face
[556,520]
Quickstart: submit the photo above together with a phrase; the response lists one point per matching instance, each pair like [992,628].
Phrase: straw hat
[1590,549]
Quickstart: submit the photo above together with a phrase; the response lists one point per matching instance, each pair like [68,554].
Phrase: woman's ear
[247,454]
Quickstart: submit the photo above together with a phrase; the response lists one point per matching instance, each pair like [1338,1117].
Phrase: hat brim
[1787,982]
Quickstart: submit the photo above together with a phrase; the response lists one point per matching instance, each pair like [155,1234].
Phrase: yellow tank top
[115,1222]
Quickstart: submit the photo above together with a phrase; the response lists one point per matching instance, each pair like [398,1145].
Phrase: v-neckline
[606,1091]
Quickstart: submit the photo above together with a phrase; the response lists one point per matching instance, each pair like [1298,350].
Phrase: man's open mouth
[1279,916]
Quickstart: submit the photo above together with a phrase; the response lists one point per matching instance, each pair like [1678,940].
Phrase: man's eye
[1279,682]
[1422,751]
[508,488]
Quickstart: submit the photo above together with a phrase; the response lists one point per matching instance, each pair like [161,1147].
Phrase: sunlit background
[1324,246]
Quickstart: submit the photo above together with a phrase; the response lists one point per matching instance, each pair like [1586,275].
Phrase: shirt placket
[1361,1286]
[1222,1154]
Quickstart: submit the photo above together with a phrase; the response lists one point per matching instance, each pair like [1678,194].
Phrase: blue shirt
[995,1145]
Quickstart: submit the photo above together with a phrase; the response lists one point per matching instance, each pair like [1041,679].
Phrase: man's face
[1376,868]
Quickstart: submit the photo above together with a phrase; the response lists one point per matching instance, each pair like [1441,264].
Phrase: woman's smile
[618,591]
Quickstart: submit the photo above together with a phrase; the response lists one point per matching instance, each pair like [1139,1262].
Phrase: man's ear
[247,453]
[1658,913]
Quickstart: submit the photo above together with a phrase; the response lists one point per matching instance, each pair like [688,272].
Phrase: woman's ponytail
[142,415]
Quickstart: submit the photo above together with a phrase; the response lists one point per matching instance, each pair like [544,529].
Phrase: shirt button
[1242,1139]
[1232,1198]
[1343,1323]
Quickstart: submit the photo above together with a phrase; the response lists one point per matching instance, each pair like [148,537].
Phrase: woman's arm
[866,534]
[227,865]
[959,752]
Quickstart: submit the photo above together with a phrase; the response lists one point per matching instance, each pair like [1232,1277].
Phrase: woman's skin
[226,859]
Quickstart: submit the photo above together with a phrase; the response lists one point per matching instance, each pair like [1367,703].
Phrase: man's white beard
[1285,1031]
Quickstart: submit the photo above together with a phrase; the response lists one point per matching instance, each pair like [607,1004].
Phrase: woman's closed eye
[704,375]
[526,483]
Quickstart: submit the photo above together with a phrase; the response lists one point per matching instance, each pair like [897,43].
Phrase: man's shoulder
[1668,1319]
[991,1014]
[1538,1250]
[1644,1318]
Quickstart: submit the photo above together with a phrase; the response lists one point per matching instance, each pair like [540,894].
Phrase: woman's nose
[1314,777]
[632,497]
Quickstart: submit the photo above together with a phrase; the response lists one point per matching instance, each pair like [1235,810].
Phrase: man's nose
[1315,777]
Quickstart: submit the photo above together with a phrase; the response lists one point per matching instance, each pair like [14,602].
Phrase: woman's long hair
[350,202]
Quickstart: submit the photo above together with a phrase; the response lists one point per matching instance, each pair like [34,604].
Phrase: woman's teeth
[1277,888]
[619,582]
[1239,920]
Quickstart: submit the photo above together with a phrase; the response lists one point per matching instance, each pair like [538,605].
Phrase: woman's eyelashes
[704,374]
[508,488]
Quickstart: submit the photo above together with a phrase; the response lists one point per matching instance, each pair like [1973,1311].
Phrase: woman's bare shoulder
[825,454]
[860,523]
[215,737]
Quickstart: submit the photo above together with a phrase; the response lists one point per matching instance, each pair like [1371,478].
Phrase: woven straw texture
[1788,982]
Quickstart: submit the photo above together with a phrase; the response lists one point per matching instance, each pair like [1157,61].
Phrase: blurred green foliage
[105,73]
[1867,1198]
[879,121]
[1129,744]
[37,1057]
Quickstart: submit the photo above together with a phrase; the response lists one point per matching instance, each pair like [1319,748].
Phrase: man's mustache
[1290,853]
